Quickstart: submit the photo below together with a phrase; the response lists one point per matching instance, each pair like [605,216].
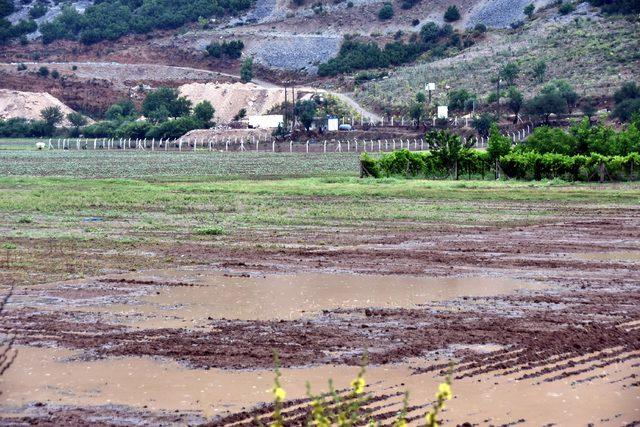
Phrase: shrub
[43,71]
[385,12]
[246,70]
[566,8]
[164,103]
[55,74]
[452,14]
[482,123]
[529,10]
[214,230]
[459,99]
[232,49]
[38,10]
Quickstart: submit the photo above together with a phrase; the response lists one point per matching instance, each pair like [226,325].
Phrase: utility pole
[286,107]
[498,95]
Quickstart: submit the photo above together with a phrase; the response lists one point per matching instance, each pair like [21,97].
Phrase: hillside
[289,40]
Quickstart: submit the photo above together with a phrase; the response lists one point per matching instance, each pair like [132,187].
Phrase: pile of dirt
[223,134]
[28,105]
[229,98]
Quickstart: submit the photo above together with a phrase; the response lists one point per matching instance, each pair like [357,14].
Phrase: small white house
[332,124]
[270,121]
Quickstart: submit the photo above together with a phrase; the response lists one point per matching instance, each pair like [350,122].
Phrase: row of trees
[112,19]
[356,55]
[585,152]
[166,115]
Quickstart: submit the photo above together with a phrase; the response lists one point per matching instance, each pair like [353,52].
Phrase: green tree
[43,71]
[306,112]
[452,14]
[510,73]
[564,89]
[515,100]
[430,32]
[482,123]
[163,103]
[52,115]
[204,111]
[416,111]
[498,144]
[539,71]
[589,107]
[6,8]
[447,148]
[629,90]
[529,10]
[121,110]
[246,70]
[385,12]
[459,99]
[76,119]
[546,104]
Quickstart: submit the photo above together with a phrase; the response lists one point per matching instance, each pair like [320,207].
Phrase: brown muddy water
[191,298]
[275,297]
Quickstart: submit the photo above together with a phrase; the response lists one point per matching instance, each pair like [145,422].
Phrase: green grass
[194,166]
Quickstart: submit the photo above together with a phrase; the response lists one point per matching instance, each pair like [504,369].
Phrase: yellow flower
[444,390]
[358,385]
[401,423]
[279,393]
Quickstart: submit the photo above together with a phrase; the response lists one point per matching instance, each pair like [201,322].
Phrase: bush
[566,8]
[246,70]
[452,14]
[55,74]
[214,230]
[43,71]
[385,12]
[38,10]
[232,49]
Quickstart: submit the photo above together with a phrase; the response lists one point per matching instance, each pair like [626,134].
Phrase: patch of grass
[213,230]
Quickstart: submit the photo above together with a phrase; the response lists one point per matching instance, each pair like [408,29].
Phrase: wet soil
[577,323]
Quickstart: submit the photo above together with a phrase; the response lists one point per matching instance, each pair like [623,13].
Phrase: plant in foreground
[347,409]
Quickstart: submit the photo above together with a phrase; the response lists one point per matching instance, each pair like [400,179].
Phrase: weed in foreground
[349,409]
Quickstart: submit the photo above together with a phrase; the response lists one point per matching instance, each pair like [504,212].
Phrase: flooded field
[141,319]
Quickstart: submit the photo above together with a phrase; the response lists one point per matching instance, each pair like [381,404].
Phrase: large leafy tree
[306,112]
[163,103]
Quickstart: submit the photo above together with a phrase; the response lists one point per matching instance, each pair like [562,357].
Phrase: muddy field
[136,316]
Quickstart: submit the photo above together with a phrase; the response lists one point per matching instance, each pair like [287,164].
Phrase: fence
[258,145]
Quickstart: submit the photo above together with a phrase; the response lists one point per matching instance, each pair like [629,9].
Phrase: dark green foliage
[618,6]
[121,111]
[204,111]
[459,99]
[111,19]
[385,12]
[38,10]
[627,100]
[354,55]
[173,128]
[566,8]
[430,32]
[52,115]
[232,49]
[55,74]
[482,123]
[76,119]
[163,103]
[246,70]
[8,31]
[306,112]
[510,72]
[452,14]
[539,71]
[546,104]
[498,145]
[408,4]
[137,130]
[515,101]
[529,9]
[22,128]
[6,8]
[43,71]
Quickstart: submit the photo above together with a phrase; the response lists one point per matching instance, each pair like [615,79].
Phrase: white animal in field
[40,145]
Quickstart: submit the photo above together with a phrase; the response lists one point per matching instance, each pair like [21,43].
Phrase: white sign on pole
[332,125]
[443,112]
[430,86]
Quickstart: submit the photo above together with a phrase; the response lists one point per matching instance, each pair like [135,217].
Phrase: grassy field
[136,164]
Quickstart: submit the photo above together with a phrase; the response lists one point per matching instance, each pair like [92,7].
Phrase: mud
[563,349]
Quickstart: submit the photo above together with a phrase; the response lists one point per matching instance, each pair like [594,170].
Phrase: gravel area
[501,13]
[296,52]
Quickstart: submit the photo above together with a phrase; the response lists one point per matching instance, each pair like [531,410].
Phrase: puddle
[287,296]
[615,256]
[47,375]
